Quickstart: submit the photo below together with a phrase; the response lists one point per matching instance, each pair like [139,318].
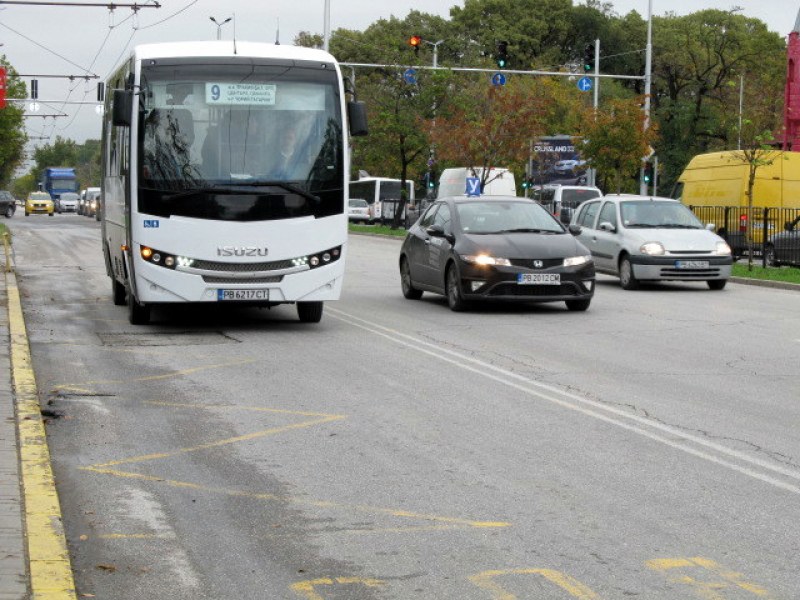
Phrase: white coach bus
[225,176]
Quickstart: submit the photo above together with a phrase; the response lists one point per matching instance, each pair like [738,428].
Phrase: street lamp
[219,25]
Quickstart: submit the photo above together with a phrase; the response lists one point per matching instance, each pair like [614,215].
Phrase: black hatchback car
[498,248]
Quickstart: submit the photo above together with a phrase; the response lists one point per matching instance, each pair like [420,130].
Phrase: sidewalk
[34,561]
[13,556]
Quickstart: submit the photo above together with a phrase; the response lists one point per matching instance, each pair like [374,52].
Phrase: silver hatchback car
[642,238]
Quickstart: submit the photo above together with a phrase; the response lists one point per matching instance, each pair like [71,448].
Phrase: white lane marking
[583,405]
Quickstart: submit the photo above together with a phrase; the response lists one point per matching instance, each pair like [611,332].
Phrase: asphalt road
[647,448]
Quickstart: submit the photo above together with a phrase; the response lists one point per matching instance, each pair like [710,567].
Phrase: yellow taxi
[39,203]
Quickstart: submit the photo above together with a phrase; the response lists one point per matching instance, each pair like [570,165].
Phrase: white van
[453,182]
[562,200]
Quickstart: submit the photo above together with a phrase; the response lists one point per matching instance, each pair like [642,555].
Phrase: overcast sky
[50,40]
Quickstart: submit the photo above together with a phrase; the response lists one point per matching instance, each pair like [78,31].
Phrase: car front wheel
[769,256]
[627,279]
[10,212]
[409,291]
[455,300]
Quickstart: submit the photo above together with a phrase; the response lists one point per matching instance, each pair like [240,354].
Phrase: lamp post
[219,25]
[648,68]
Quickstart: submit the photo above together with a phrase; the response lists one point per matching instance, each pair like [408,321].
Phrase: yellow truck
[714,186]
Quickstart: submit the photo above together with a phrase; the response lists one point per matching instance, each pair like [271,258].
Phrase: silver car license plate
[691,264]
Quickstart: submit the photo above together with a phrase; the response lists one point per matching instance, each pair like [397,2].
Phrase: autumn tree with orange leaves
[492,126]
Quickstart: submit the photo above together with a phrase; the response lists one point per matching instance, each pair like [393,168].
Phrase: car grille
[224,267]
[546,262]
[673,273]
[514,289]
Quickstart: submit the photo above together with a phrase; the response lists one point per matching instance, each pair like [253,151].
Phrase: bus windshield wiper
[237,189]
[289,187]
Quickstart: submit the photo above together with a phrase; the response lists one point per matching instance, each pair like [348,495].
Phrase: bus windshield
[240,141]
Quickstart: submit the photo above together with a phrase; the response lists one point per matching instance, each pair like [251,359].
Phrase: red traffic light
[415,41]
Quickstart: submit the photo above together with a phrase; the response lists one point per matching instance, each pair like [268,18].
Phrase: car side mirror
[606,226]
[788,226]
[435,231]
[711,226]
[574,229]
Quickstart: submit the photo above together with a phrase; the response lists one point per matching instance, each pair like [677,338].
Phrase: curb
[50,569]
[781,285]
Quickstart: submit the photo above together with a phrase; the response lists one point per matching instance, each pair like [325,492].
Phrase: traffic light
[502,54]
[415,41]
[431,179]
[588,58]
[34,89]
[647,175]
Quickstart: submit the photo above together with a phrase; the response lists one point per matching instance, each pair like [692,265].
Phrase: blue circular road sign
[498,79]
[410,76]
[585,84]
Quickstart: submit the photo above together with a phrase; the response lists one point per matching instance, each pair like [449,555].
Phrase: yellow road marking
[573,587]
[308,588]
[108,468]
[710,590]
[73,386]
[50,567]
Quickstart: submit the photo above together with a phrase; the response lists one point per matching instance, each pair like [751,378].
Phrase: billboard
[557,159]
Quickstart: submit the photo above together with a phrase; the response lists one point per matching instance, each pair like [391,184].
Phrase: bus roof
[227,48]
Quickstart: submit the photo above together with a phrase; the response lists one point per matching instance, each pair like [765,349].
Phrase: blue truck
[57,180]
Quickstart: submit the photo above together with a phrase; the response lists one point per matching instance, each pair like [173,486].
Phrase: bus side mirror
[121,109]
[357,117]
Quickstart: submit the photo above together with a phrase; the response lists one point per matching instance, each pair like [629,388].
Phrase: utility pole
[648,68]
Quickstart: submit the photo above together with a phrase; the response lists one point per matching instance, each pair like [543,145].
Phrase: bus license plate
[539,278]
[691,264]
[233,295]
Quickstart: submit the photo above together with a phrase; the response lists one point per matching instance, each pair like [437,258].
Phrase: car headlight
[484,260]
[575,261]
[652,249]
[722,249]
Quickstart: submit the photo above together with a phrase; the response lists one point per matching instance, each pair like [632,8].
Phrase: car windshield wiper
[641,226]
[531,230]
[678,226]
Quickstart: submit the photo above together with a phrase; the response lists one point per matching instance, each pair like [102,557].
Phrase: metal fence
[774,233]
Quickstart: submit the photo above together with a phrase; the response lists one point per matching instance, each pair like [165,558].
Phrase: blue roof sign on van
[473,186]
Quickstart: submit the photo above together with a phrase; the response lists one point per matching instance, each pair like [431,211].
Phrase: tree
[493,126]
[759,151]
[615,142]
[12,130]
[398,141]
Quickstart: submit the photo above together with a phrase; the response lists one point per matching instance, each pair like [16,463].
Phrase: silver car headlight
[484,260]
[722,249]
[576,261]
[652,249]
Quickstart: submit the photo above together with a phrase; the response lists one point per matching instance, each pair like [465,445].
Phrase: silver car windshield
[649,214]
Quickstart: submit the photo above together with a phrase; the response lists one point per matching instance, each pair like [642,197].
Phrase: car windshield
[500,216]
[649,214]
[40,196]
[358,203]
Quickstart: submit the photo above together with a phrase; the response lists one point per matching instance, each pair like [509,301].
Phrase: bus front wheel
[309,312]
[138,314]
